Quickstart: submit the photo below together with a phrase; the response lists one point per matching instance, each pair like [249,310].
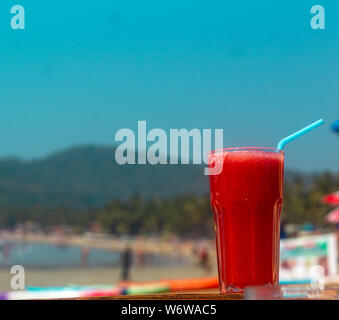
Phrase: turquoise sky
[82,70]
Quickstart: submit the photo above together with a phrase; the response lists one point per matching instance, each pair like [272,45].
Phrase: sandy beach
[105,275]
[177,250]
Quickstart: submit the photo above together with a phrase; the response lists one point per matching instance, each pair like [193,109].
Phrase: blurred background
[79,72]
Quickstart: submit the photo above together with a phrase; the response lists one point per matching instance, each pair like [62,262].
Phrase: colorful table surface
[331,292]
[173,296]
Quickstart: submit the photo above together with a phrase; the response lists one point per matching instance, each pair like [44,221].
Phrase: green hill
[55,190]
[88,176]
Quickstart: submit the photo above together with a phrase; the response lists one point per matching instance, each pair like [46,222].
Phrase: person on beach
[140,257]
[84,255]
[126,262]
[6,250]
[204,259]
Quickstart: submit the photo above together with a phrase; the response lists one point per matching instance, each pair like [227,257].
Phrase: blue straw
[299,133]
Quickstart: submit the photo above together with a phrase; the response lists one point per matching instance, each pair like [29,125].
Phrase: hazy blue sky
[82,70]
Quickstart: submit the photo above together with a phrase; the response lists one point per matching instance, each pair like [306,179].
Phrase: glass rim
[267,149]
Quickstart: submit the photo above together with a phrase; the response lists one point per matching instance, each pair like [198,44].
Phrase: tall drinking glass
[246,199]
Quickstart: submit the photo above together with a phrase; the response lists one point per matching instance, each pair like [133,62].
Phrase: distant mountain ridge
[88,176]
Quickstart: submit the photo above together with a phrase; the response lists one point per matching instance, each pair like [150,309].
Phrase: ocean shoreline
[186,264]
[156,246]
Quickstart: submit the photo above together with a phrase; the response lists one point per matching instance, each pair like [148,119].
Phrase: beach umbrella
[333,216]
[332,198]
[335,126]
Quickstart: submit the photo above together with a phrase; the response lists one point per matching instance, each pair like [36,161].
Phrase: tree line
[187,215]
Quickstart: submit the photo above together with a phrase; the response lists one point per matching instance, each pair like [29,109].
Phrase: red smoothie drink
[246,199]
